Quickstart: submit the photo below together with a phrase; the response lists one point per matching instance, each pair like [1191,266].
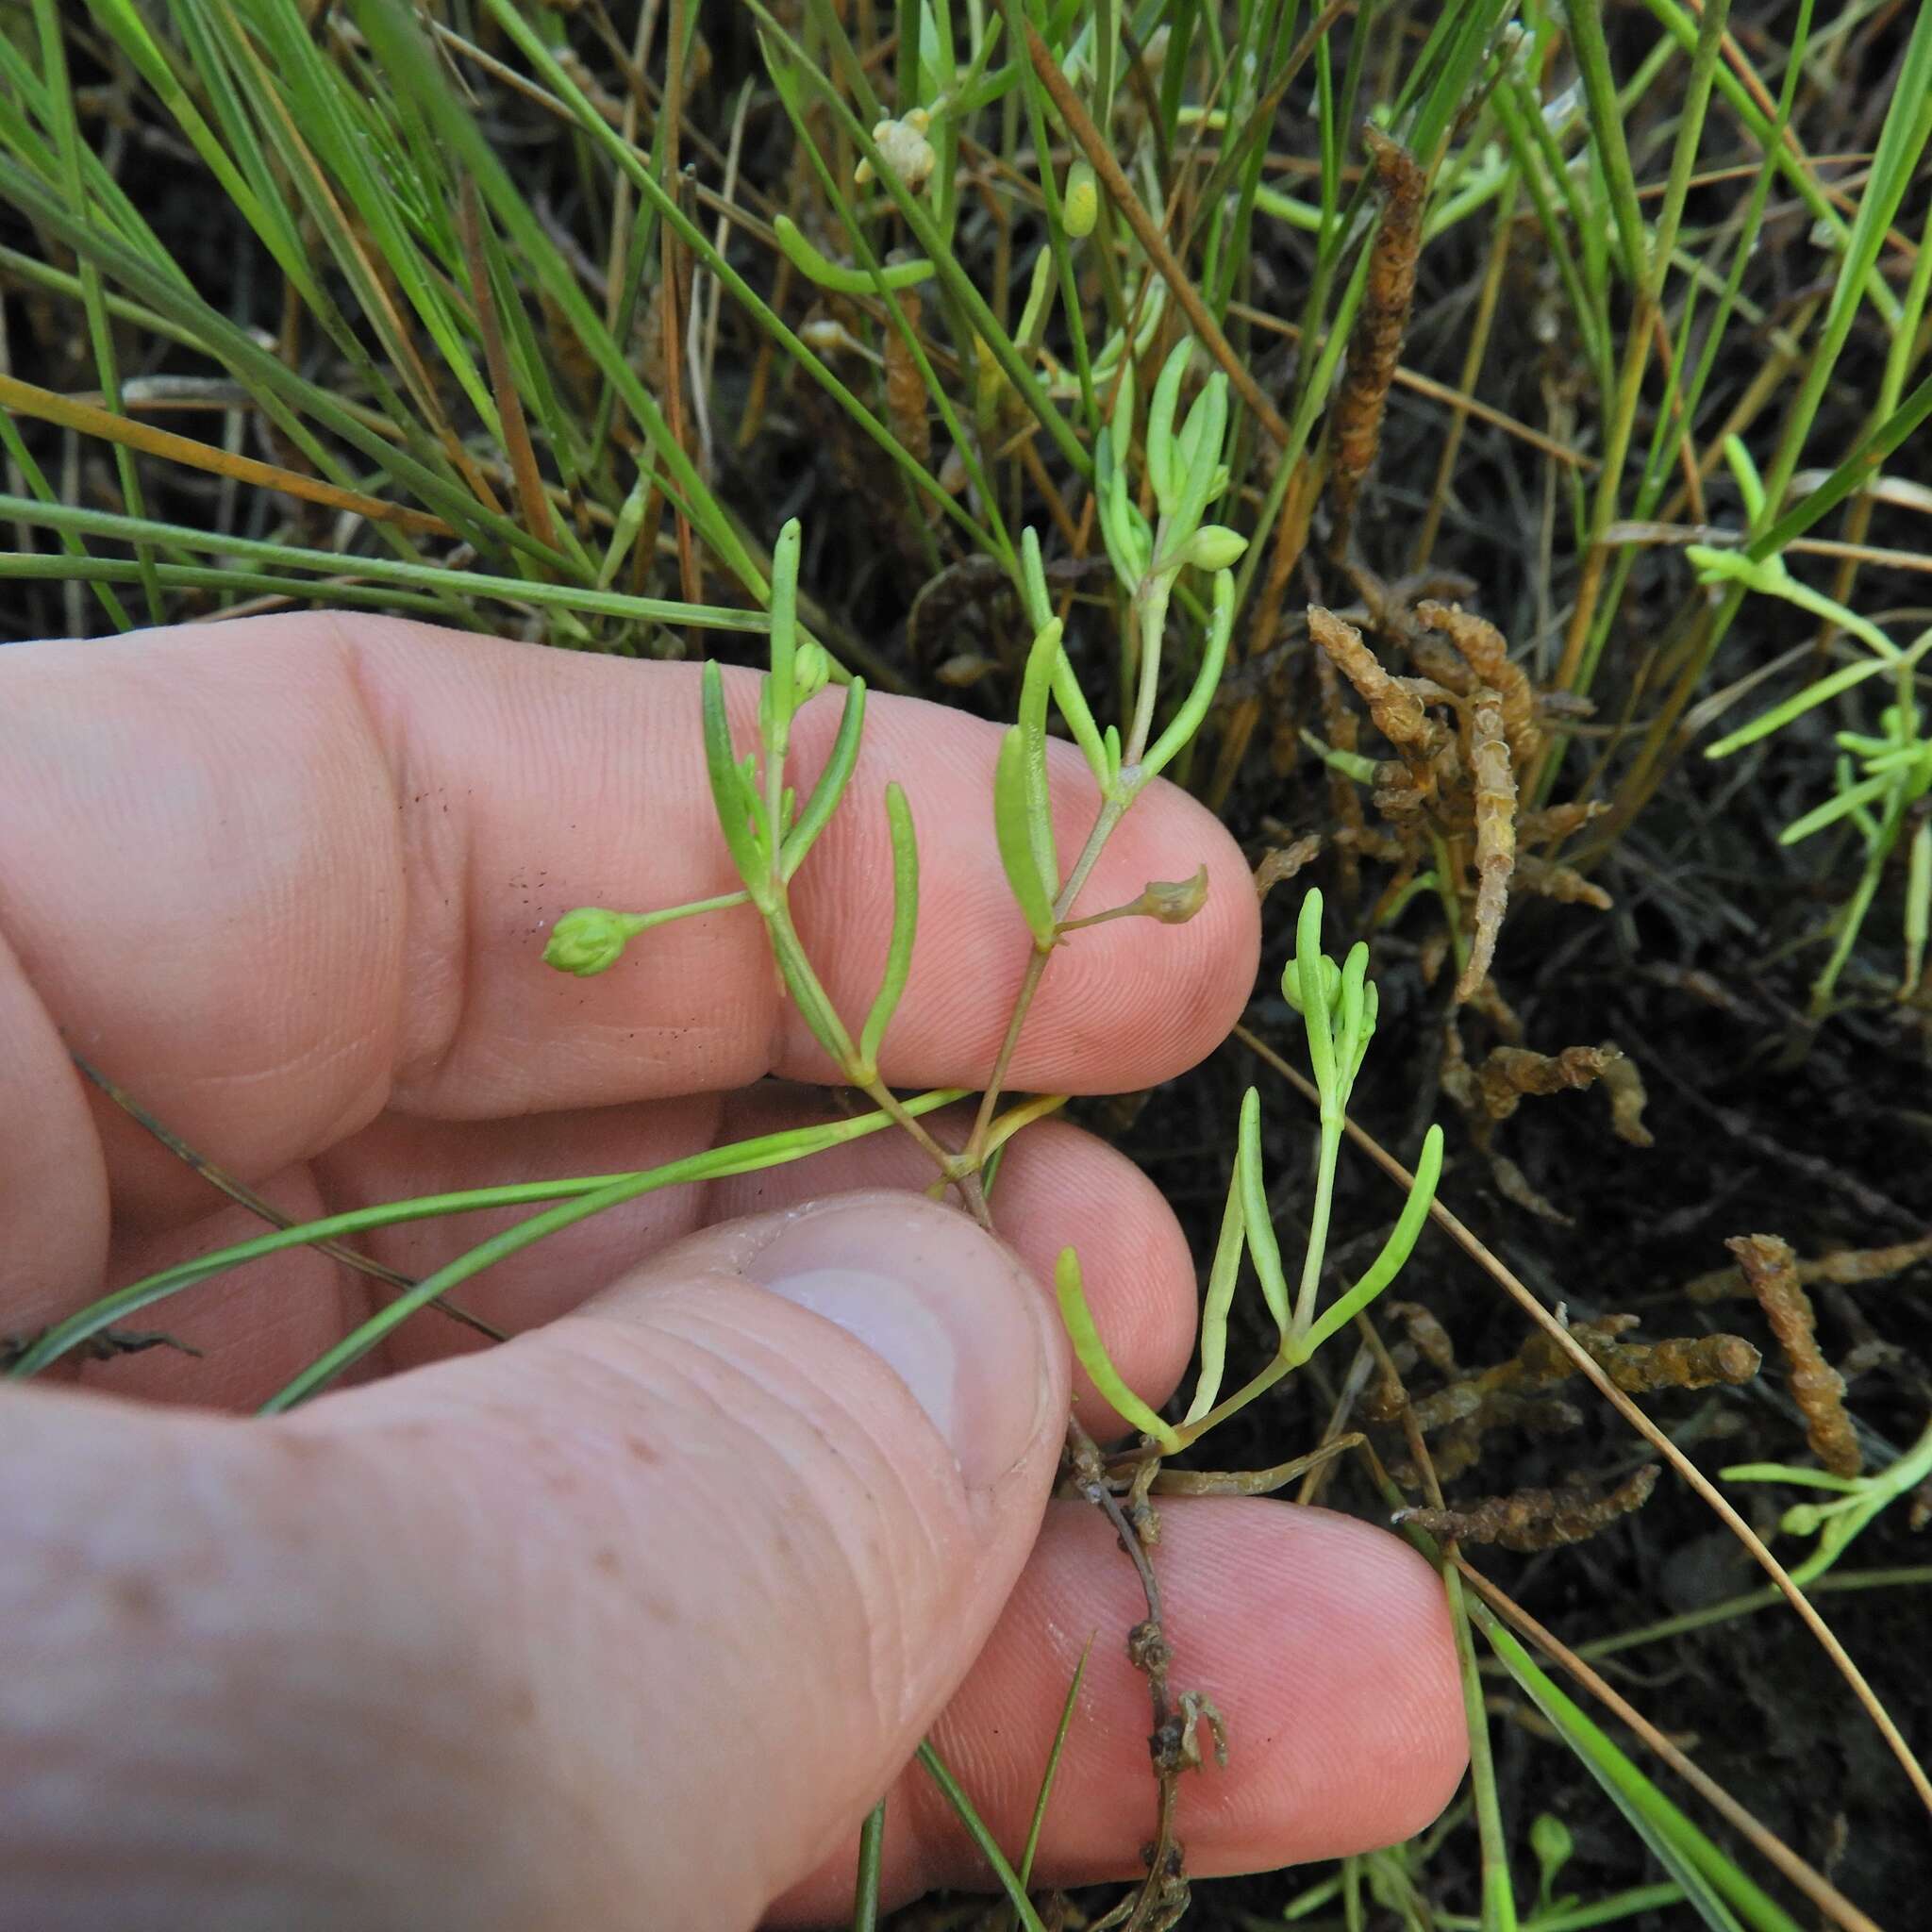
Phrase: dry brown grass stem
[517,446]
[90,419]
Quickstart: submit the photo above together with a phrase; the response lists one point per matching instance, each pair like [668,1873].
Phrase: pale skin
[631,1619]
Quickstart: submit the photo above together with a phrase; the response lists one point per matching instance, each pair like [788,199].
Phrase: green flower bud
[810,670]
[1081,204]
[1331,984]
[588,940]
[1802,1519]
[1214,546]
[1550,1840]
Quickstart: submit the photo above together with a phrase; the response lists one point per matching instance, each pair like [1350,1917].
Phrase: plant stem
[1111,811]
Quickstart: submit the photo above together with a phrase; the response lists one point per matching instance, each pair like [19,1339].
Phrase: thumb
[741,1523]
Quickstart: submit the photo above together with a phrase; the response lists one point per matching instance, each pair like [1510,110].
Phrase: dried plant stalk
[1281,862]
[1563,883]
[1495,836]
[905,386]
[1685,1361]
[1482,648]
[1430,1338]
[1376,346]
[1639,1368]
[1559,821]
[1537,1519]
[1457,1403]
[1844,1267]
[1436,662]
[1816,1386]
[1624,1085]
[1396,710]
[1511,1072]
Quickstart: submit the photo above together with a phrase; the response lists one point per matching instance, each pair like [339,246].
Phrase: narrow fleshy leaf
[1186,721]
[783,698]
[1163,470]
[1222,1278]
[1395,1250]
[1094,1358]
[825,273]
[730,792]
[1313,981]
[1012,828]
[1035,689]
[905,924]
[1257,1223]
[832,782]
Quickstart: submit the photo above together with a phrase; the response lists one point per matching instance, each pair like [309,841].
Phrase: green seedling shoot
[769,834]
[1337,1008]
[1893,768]
[1857,1499]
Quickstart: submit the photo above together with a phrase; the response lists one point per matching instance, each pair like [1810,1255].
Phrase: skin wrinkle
[49,1154]
[218,821]
[415,878]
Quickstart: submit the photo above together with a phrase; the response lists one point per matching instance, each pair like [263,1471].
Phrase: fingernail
[941,1303]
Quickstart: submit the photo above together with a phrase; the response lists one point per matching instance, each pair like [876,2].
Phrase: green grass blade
[580,597]
[741,1156]
[1712,1883]
[989,1845]
[865,1890]
[1053,1765]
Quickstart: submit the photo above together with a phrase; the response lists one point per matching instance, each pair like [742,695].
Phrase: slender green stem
[744,1157]
[1328,1152]
[1111,811]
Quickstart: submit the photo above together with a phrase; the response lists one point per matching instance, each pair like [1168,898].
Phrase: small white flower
[905,148]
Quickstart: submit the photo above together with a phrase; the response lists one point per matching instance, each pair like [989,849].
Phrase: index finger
[280,874]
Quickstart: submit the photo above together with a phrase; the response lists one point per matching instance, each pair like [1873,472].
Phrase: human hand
[631,1619]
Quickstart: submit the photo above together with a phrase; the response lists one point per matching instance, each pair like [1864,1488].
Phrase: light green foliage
[844,281]
[1857,1499]
[1092,1355]
[1337,1006]
[1893,769]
